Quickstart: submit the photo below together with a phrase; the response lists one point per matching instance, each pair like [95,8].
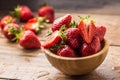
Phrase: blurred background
[83,6]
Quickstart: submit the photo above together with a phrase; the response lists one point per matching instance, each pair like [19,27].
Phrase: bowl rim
[105,47]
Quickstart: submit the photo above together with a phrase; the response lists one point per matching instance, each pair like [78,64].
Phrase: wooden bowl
[78,65]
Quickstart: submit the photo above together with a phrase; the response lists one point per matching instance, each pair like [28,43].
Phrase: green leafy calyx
[16,12]
[86,19]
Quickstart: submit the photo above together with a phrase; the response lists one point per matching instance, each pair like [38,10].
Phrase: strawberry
[100,32]
[65,20]
[74,39]
[87,31]
[6,20]
[29,40]
[23,13]
[51,40]
[91,48]
[66,51]
[47,12]
[35,24]
[10,31]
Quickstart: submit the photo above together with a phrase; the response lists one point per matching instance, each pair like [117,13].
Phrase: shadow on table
[91,76]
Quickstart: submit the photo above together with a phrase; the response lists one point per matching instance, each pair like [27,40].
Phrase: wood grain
[18,63]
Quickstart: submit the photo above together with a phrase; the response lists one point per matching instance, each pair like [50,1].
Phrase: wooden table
[18,63]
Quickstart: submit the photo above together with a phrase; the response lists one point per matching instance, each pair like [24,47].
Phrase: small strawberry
[6,20]
[51,40]
[66,51]
[35,24]
[87,30]
[29,40]
[10,31]
[74,39]
[91,48]
[23,13]
[47,12]
[100,32]
[65,20]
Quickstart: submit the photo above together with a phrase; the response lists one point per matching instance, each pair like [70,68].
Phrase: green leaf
[73,24]
[86,19]
[13,30]
[57,46]
[16,12]
[18,33]
[49,32]
[62,32]
[44,4]
[42,20]
[40,24]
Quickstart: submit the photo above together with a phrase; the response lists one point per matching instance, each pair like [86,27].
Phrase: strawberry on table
[66,51]
[29,40]
[6,20]
[65,20]
[23,13]
[91,48]
[10,31]
[47,12]
[35,24]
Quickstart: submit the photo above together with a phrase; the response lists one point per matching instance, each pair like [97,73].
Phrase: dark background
[98,6]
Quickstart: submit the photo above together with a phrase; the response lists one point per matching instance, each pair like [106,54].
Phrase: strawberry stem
[42,20]
[41,23]
[86,19]
[73,24]
[57,46]
[62,33]
[49,32]
[16,12]
[13,30]
[18,34]
[44,4]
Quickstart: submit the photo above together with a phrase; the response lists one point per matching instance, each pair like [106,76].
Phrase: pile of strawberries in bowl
[71,39]
[75,48]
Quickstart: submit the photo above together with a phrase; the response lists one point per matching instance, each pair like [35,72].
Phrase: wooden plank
[16,62]
[36,67]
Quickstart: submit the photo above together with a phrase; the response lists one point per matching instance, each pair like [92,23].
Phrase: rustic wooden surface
[18,63]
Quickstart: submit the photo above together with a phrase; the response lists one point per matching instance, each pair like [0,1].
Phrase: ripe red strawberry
[32,25]
[10,31]
[29,40]
[53,39]
[65,20]
[48,12]
[66,51]
[87,31]
[100,32]
[74,39]
[23,13]
[91,48]
[35,24]
[6,20]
